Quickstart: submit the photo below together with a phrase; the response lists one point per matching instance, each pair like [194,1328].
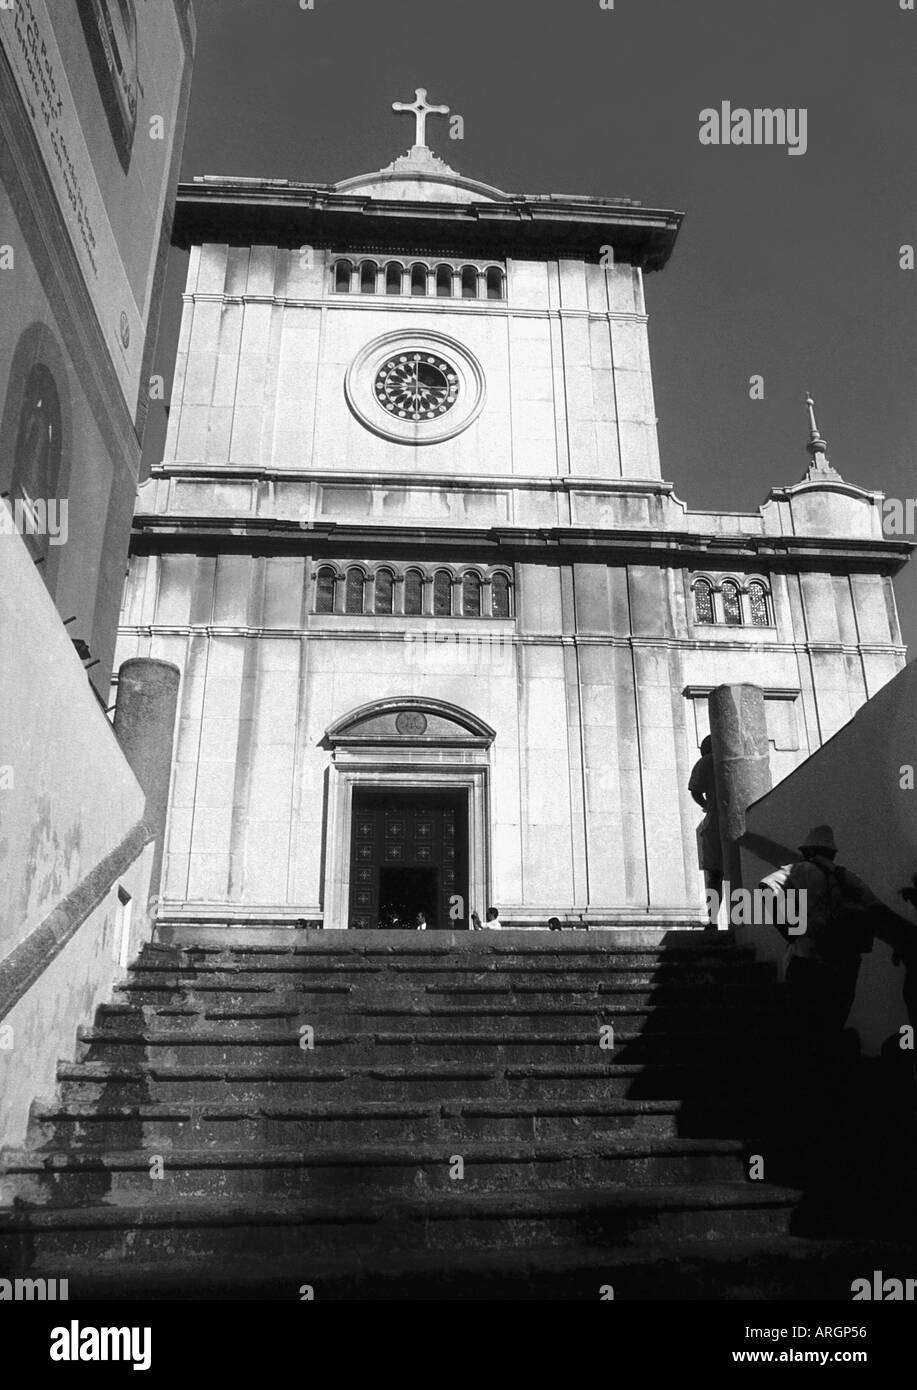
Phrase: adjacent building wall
[860,783]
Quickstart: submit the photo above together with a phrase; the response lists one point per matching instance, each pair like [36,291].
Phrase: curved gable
[410,719]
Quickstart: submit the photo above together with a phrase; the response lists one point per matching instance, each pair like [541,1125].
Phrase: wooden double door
[409,856]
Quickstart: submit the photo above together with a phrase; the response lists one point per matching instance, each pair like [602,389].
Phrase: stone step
[254,1045]
[472,953]
[652,1218]
[645,933]
[234,1124]
[285,1078]
[431,1016]
[765,1267]
[65,1177]
[205,995]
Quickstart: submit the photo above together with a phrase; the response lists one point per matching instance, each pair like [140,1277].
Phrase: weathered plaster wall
[41,1029]
[67,798]
[73,797]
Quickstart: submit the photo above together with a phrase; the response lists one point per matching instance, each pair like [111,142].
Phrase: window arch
[442,594]
[353,599]
[494,281]
[37,455]
[418,278]
[471,594]
[361,587]
[367,277]
[757,602]
[384,595]
[394,275]
[325,585]
[413,592]
[444,281]
[499,595]
[732,603]
[703,601]
[342,274]
[469,282]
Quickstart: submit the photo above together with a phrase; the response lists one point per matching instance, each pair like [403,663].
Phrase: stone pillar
[145,727]
[741,761]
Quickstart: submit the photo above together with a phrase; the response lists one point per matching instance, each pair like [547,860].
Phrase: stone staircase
[458,1123]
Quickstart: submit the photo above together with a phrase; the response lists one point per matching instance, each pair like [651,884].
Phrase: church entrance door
[409,855]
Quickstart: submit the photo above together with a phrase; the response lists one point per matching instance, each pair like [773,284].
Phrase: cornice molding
[793,551]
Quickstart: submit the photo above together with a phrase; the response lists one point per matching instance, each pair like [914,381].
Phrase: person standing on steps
[420,922]
[702,787]
[823,962]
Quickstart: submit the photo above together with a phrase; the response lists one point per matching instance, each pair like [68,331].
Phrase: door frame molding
[403,770]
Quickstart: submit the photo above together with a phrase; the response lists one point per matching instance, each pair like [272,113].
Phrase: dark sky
[787,266]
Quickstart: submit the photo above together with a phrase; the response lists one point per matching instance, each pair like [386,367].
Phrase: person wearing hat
[823,962]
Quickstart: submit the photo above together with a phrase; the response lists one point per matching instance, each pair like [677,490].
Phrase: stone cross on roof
[421,110]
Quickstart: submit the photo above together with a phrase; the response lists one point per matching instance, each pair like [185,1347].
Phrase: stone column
[145,727]
[741,761]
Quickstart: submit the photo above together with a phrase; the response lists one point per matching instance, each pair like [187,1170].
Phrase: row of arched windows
[442,280]
[438,593]
[732,603]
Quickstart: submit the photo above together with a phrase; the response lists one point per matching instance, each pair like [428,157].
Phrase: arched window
[469,282]
[324,590]
[703,602]
[757,602]
[394,273]
[499,596]
[471,595]
[444,281]
[413,592]
[342,273]
[353,601]
[418,279]
[732,604]
[442,594]
[37,457]
[385,590]
[367,277]
[494,282]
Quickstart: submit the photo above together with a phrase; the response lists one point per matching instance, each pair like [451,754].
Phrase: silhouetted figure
[823,962]
[554,924]
[420,922]
[702,787]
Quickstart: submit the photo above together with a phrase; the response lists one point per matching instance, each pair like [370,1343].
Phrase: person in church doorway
[702,786]
[420,922]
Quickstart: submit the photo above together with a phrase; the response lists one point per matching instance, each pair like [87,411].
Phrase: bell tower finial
[817,448]
[420,109]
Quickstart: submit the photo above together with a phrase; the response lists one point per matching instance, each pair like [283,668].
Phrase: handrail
[32,956]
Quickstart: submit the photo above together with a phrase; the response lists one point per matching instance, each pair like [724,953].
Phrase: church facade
[445,632]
